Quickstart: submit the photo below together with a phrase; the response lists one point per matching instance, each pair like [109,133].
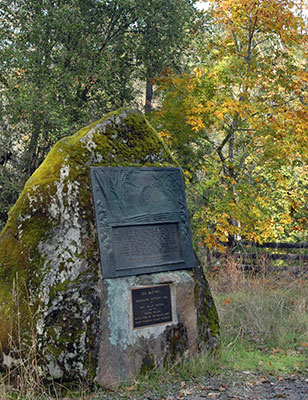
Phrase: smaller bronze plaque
[151,306]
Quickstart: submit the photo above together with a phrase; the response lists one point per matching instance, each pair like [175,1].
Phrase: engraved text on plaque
[142,245]
[151,306]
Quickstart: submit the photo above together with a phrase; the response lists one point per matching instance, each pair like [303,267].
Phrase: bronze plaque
[142,220]
[151,306]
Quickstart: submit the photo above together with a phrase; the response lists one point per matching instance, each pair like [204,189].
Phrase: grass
[263,317]
[264,329]
[241,358]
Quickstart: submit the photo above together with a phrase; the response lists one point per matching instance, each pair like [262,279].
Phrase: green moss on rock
[207,316]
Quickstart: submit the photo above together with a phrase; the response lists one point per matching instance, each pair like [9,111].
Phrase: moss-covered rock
[50,279]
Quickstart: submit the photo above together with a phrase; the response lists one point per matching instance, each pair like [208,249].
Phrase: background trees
[237,117]
[244,108]
[65,63]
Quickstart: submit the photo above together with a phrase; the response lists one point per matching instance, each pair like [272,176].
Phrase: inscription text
[151,306]
[139,245]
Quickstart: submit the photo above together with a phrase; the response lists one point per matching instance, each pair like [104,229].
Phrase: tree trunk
[148,95]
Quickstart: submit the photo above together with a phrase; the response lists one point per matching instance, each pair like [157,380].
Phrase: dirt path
[238,386]
[248,387]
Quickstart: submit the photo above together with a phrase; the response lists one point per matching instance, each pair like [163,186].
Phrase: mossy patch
[207,316]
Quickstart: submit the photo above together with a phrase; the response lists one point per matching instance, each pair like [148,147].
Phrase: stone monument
[103,286]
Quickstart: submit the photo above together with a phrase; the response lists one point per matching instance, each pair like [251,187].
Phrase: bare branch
[242,161]
[237,44]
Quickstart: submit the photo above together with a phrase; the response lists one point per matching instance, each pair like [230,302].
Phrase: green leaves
[63,64]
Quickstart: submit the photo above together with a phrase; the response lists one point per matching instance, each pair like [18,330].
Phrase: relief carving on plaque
[142,220]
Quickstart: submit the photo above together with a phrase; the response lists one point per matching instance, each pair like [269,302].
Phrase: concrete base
[124,351]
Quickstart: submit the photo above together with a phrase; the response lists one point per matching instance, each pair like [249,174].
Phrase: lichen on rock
[50,276]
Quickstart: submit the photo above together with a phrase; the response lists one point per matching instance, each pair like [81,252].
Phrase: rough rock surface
[50,276]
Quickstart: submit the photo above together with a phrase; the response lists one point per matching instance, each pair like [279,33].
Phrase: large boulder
[50,275]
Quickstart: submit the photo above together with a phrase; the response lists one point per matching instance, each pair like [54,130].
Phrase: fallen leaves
[213,395]
[130,388]
[261,380]
[185,392]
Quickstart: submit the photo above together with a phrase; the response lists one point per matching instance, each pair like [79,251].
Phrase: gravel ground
[238,386]
[250,387]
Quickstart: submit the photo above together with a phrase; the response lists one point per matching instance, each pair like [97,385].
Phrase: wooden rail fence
[250,250]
